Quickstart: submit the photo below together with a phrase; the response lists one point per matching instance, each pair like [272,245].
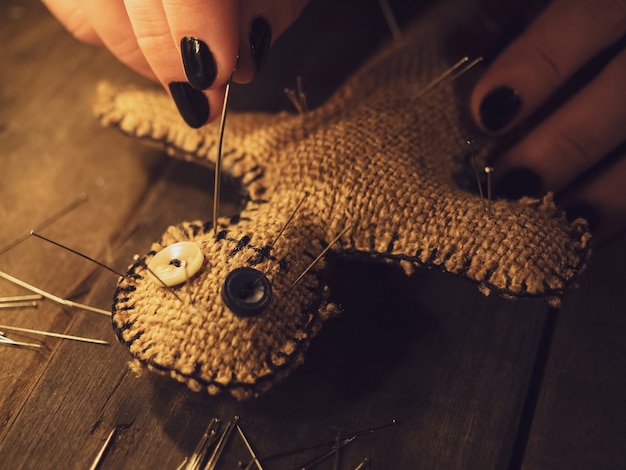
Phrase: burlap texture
[379,156]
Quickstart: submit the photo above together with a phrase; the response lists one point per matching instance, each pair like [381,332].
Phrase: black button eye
[247,292]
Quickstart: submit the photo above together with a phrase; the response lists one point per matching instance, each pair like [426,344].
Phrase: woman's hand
[191,46]
[579,150]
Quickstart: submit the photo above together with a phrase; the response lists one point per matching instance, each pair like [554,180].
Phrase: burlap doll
[379,160]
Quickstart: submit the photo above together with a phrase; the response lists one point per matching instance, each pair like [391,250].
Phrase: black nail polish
[199,63]
[499,107]
[260,41]
[583,211]
[519,183]
[192,105]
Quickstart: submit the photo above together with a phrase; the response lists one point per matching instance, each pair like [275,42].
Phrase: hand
[190,46]
[579,150]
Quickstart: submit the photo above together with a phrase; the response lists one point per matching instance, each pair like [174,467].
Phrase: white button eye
[175,263]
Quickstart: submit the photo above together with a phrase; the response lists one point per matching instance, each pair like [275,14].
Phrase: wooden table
[473,382]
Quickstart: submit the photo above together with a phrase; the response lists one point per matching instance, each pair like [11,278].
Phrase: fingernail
[198,62]
[499,107]
[519,183]
[260,41]
[192,105]
[584,211]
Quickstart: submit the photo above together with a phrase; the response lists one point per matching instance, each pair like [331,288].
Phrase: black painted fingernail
[519,183]
[199,63]
[192,105]
[260,41]
[583,211]
[499,107]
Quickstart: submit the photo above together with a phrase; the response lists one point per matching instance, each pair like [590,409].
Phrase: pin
[475,167]
[108,268]
[221,444]
[54,298]
[55,335]
[306,195]
[98,460]
[218,161]
[298,97]
[362,464]
[20,301]
[454,72]
[53,218]
[205,443]
[326,455]
[255,459]
[29,304]
[391,19]
[355,434]
[319,257]
[489,171]
[71,250]
[9,341]
[336,462]
[20,298]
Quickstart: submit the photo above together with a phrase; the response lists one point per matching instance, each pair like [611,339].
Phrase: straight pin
[306,194]
[489,171]
[221,444]
[336,462]
[326,455]
[54,298]
[71,250]
[199,454]
[29,304]
[10,342]
[475,167]
[255,459]
[319,257]
[218,161]
[53,218]
[55,335]
[390,18]
[20,298]
[451,74]
[298,97]
[101,264]
[355,434]
[98,460]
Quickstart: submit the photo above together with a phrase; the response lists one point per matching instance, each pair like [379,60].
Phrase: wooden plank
[580,420]
[430,351]
[51,150]
[453,369]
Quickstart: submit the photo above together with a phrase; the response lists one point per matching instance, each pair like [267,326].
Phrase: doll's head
[231,318]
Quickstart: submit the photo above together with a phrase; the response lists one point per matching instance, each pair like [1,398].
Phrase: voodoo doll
[234,308]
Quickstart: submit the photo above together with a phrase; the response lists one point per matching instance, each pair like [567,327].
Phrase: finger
[73,18]
[111,23]
[601,200]
[261,23]
[165,55]
[562,39]
[207,33]
[579,134]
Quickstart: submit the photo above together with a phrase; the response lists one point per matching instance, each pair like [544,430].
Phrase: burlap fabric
[379,157]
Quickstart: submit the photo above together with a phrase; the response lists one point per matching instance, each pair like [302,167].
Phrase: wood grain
[453,367]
